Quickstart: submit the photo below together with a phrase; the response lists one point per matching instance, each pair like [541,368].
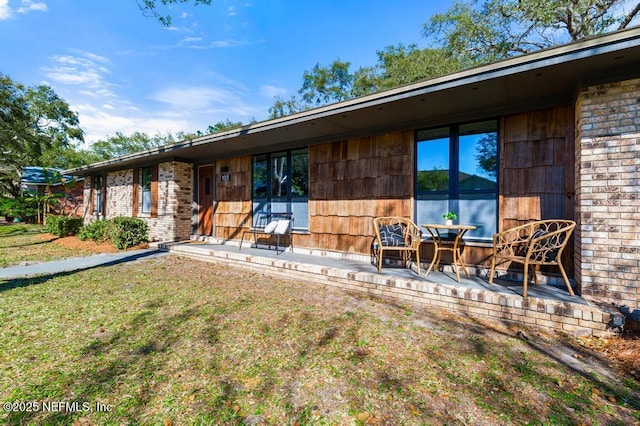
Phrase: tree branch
[629,17]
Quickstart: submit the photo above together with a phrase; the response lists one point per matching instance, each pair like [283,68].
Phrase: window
[281,184]
[146,189]
[457,170]
[98,182]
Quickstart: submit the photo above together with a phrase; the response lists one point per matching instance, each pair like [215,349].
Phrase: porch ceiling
[529,82]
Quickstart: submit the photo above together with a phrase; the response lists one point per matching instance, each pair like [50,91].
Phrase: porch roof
[524,83]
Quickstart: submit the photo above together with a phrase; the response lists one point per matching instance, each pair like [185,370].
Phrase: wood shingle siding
[232,211]
[355,180]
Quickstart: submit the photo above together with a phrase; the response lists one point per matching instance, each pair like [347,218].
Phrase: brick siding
[175,182]
[607,186]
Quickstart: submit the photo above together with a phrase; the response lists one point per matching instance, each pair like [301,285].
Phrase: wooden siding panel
[537,167]
[154,190]
[354,181]
[233,212]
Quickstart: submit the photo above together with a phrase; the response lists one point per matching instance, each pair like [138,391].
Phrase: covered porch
[547,306]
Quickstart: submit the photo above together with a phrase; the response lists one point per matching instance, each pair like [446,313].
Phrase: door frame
[213,196]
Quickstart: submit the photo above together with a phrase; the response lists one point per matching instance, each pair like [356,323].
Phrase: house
[43,180]
[551,134]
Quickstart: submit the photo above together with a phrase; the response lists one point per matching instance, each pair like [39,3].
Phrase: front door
[205,200]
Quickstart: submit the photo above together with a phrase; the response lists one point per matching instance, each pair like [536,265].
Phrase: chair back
[548,239]
[396,231]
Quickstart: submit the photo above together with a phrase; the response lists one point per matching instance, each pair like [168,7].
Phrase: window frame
[289,198]
[454,194]
[98,190]
[144,191]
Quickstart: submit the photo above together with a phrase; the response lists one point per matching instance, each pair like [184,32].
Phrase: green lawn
[21,243]
[176,341]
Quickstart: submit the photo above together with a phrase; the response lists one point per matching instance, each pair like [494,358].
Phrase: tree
[222,126]
[486,154]
[474,33]
[150,8]
[35,126]
[400,65]
[121,144]
[326,84]
[281,108]
[397,65]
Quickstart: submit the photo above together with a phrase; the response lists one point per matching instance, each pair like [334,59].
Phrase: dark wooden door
[205,200]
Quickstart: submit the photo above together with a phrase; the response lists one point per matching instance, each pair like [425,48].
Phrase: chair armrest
[512,241]
[413,235]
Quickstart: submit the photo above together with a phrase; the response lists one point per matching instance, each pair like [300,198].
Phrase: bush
[96,231]
[25,208]
[125,232]
[122,232]
[63,225]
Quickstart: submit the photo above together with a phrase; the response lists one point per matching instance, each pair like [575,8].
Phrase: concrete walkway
[77,263]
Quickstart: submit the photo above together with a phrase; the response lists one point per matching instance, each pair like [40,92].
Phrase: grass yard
[22,244]
[174,341]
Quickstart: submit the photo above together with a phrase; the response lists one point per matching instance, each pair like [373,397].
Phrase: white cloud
[272,91]
[191,39]
[28,6]
[195,98]
[5,10]
[100,123]
[85,69]
[231,11]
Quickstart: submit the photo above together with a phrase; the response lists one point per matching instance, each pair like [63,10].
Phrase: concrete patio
[548,306]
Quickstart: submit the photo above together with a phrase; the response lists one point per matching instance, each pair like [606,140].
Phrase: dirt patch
[622,350]
[90,246]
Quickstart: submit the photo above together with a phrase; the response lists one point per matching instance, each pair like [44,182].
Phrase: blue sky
[122,71]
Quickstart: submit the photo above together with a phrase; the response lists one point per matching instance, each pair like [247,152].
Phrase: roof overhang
[524,83]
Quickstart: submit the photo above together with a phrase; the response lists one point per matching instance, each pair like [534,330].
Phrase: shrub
[63,225]
[25,208]
[96,231]
[122,232]
[125,232]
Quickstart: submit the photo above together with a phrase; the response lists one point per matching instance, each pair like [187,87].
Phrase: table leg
[436,251]
[435,260]
[456,255]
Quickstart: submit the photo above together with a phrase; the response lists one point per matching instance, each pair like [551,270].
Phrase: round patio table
[434,229]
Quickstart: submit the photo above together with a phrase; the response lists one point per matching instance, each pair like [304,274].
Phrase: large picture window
[281,184]
[457,171]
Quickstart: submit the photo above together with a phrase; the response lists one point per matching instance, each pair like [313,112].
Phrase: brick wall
[119,193]
[607,257]
[175,182]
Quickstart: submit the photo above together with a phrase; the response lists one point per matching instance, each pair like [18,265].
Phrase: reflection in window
[260,176]
[279,174]
[433,160]
[299,173]
[98,184]
[478,156]
[281,184]
[456,170]
[146,189]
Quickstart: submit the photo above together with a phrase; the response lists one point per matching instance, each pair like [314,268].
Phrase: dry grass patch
[177,341]
[24,244]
